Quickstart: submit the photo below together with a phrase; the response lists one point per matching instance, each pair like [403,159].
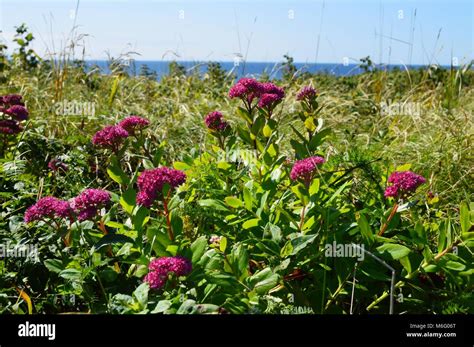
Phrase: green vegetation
[269,232]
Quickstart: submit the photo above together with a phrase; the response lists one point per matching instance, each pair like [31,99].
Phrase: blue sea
[273,70]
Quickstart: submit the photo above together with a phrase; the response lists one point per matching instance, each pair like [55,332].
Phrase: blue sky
[260,30]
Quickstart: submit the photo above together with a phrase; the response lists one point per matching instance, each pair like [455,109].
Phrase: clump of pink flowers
[305,169]
[134,123]
[110,137]
[403,183]
[306,93]
[161,268]
[87,204]
[271,96]
[151,183]
[13,112]
[246,89]
[48,207]
[267,94]
[10,126]
[214,121]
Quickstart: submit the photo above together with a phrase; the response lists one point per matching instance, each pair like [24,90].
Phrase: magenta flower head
[270,88]
[110,137]
[306,93]
[48,207]
[161,268]
[57,165]
[18,112]
[11,99]
[215,122]
[151,183]
[403,183]
[10,126]
[87,204]
[268,101]
[246,89]
[271,96]
[134,123]
[305,169]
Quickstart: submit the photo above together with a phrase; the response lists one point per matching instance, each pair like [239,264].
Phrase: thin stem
[392,214]
[168,219]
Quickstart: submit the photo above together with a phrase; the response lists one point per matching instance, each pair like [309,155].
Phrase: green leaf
[54,265]
[296,244]
[141,295]
[179,165]
[404,167]
[314,187]
[173,249]
[267,131]
[162,306]
[467,236]
[287,250]
[454,265]
[248,199]
[241,257]
[251,223]
[198,247]
[215,204]
[264,286]
[242,112]
[319,138]
[223,244]
[396,251]
[234,202]
[140,217]
[260,276]
[257,125]
[71,274]
[115,225]
[128,200]
[364,228]
[464,217]
[111,239]
[441,236]
[116,173]
[405,261]
[176,223]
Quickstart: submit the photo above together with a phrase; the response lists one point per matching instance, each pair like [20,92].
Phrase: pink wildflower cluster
[306,168]
[134,123]
[87,203]
[84,206]
[151,183]
[249,89]
[112,136]
[48,207]
[215,122]
[403,183]
[161,268]
[13,107]
[306,93]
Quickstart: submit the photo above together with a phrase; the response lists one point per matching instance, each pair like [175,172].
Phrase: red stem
[392,214]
